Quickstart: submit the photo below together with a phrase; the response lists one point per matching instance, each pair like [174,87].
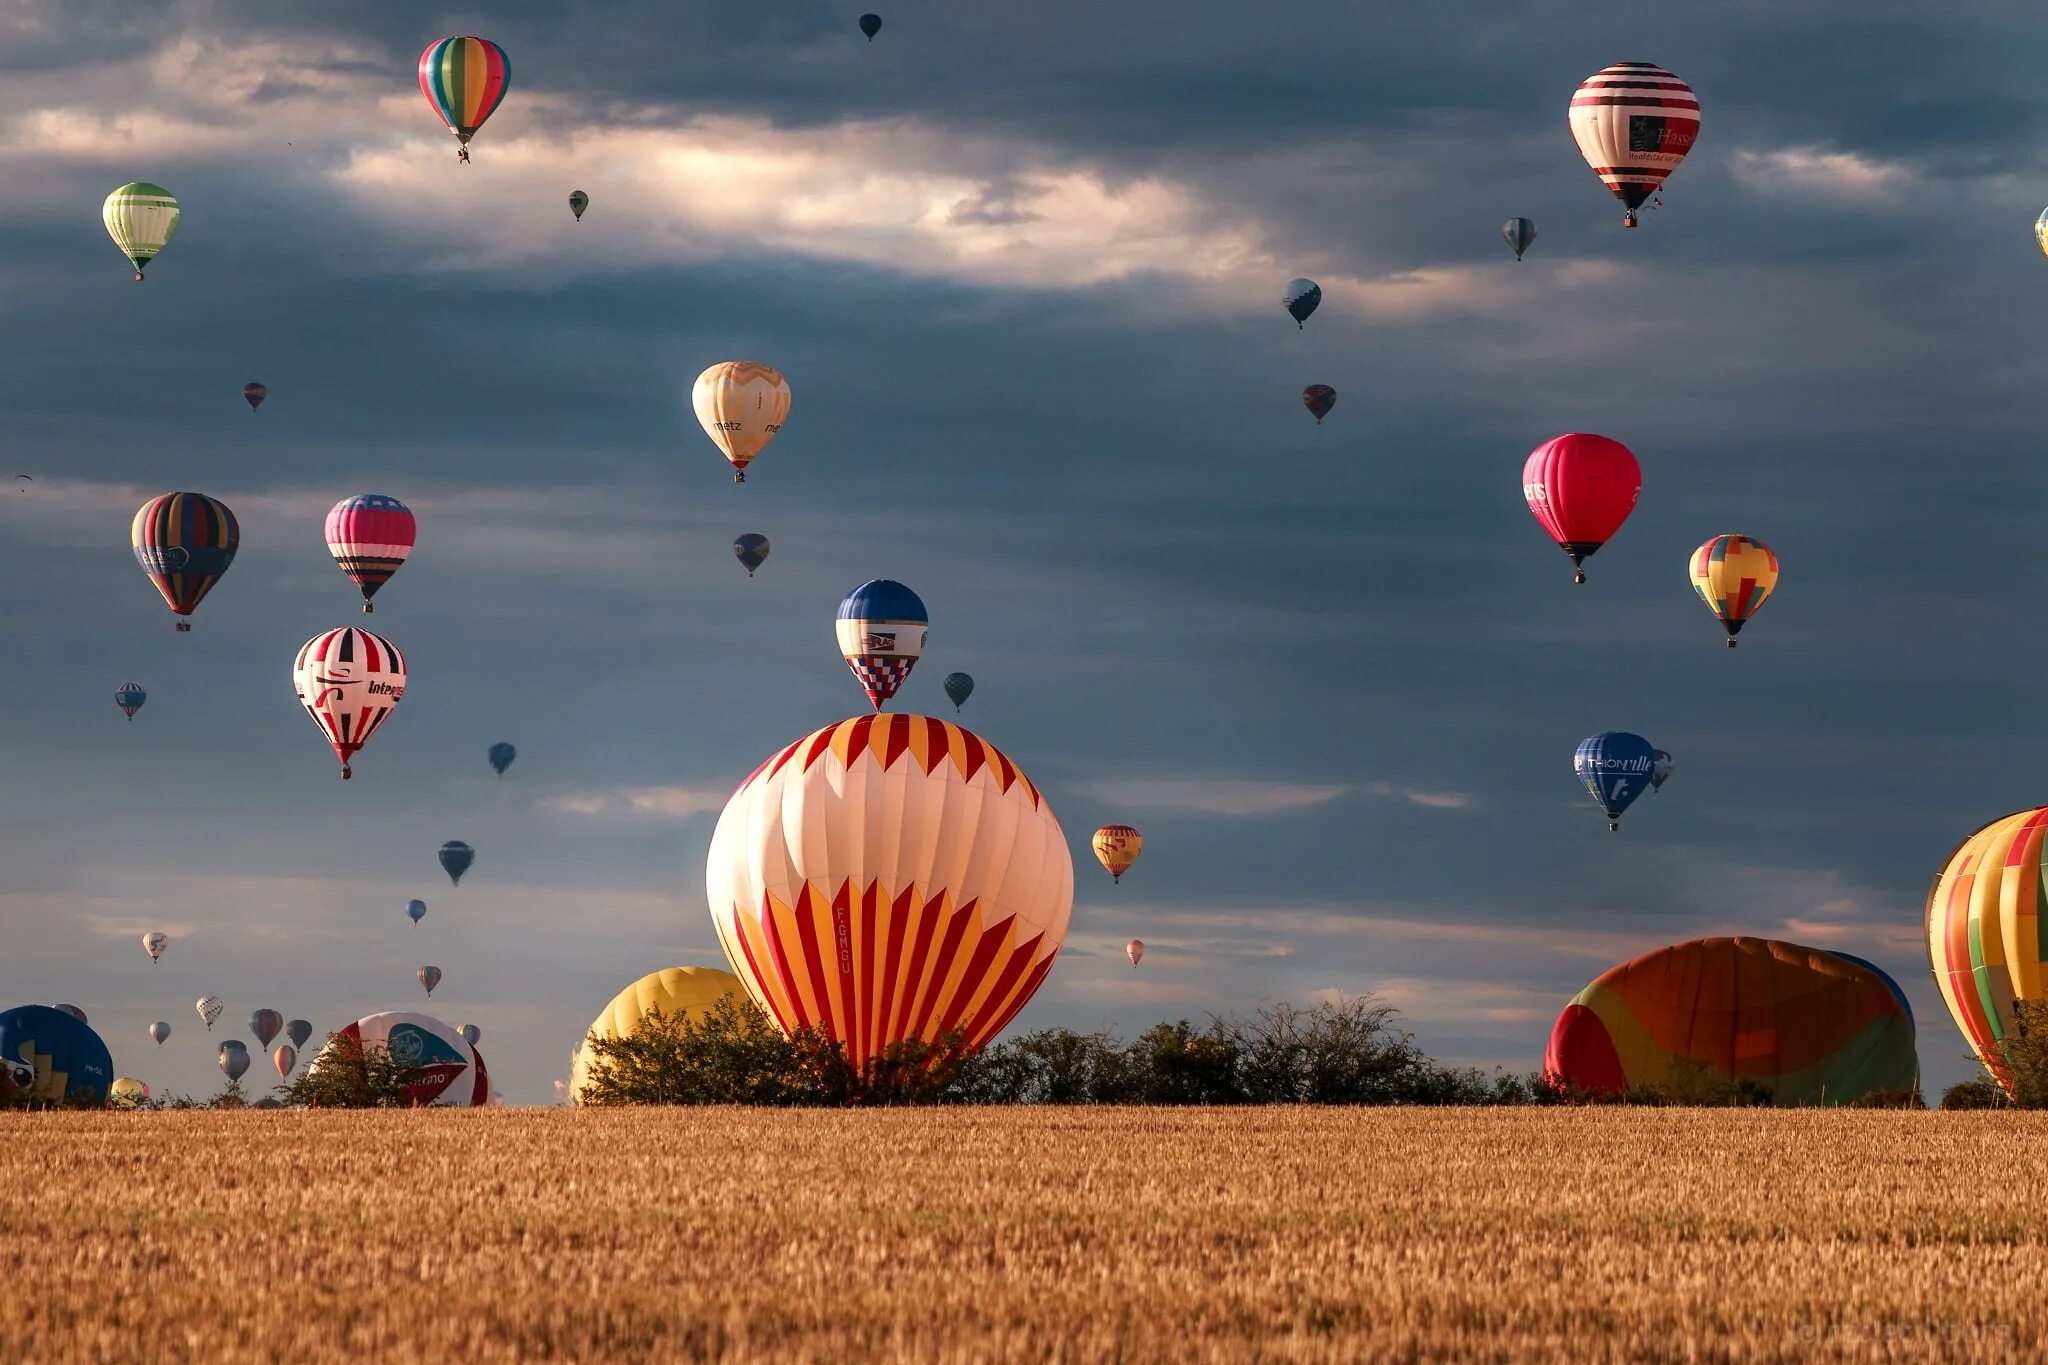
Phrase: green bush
[1975,1094]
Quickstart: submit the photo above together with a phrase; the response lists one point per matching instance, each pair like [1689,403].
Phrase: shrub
[346,1074]
[1981,1093]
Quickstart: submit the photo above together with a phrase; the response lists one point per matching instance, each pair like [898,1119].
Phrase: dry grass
[1023,1235]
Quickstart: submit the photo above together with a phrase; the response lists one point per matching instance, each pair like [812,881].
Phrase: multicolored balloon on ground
[266,1024]
[1301,298]
[127,1093]
[578,201]
[1615,767]
[1581,488]
[154,942]
[1985,927]
[141,218]
[430,977]
[254,394]
[159,1031]
[1116,848]
[675,991]
[56,1058]
[1807,1025]
[441,1068]
[209,1008]
[741,406]
[1518,233]
[465,80]
[1634,122]
[882,628]
[370,535]
[751,550]
[500,757]
[233,1059]
[184,542]
[1734,576]
[416,910]
[959,687]
[887,878]
[1319,399]
[1135,951]
[349,681]
[456,858]
[129,697]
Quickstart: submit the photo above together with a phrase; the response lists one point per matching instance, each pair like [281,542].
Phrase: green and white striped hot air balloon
[141,218]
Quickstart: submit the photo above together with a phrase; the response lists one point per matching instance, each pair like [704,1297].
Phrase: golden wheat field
[1023,1234]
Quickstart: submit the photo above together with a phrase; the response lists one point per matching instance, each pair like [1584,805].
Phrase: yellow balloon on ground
[742,405]
[672,990]
[126,1093]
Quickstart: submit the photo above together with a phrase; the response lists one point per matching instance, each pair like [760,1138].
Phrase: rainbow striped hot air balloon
[1807,1025]
[465,79]
[184,542]
[1985,931]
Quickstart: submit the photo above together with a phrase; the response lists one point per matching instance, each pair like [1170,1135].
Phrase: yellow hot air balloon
[1984,931]
[672,990]
[127,1093]
[1116,848]
[742,405]
[1734,576]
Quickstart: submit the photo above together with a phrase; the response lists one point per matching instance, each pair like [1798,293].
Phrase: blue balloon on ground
[65,1057]
[1616,767]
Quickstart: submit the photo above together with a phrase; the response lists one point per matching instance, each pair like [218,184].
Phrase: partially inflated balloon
[882,628]
[127,1093]
[370,535]
[1615,767]
[751,550]
[578,201]
[430,977]
[350,682]
[677,992]
[154,942]
[141,218]
[959,687]
[209,1008]
[129,697]
[1634,122]
[1135,951]
[284,1059]
[254,394]
[416,910]
[438,1066]
[1806,1025]
[1319,399]
[1301,298]
[1518,233]
[159,1031]
[888,878]
[266,1024]
[741,406]
[233,1058]
[1661,773]
[1734,576]
[501,755]
[465,79]
[455,857]
[871,24]
[1581,488]
[184,542]
[298,1030]
[1116,848]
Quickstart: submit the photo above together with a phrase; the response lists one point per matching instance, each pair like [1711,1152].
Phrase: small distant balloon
[751,550]
[298,1030]
[284,1059]
[154,942]
[1518,233]
[959,687]
[871,24]
[2041,232]
[209,1008]
[233,1058]
[430,977]
[22,482]
[1301,299]
[417,910]
[882,629]
[1319,399]
[129,697]
[501,755]
[254,394]
[1135,951]
[266,1024]
[1661,773]
[578,201]
[456,857]
[1615,767]
[470,1034]
[1734,576]
[1116,848]
[160,1031]
[74,1012]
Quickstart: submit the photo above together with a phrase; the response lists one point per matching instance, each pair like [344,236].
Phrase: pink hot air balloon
[1581,487]
[1135,951]
[284,1059]
[369,536]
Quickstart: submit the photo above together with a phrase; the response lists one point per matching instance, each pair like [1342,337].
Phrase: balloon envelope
[430,977]
[1808,1025]
[871,24]
[959,687]
[154,942]
[141,218]
[55,1058]
[444,1069]
[1135,951]
[254,394]
[1634,122]
[74,1012]
[501,756]
[284,1059]
[184,542]
[1615,767]
[1319,399]
[465,80]
[350,681]
[578,201]
[127,1093]
[2041,232]
[233,1058]
[416,910]
[455,857]
[470,1033]
[130,697]
[751,550]
[882,629]
[1983,924]
[209,1008]
[370,535]
[1518,233]
[159,1031]
[298,1030]
[266,1024]
[741,405]
[1661,772]
[1581,488]
[1734,576]
[1301,298]
[1116,848]
[888,878]
[675,991]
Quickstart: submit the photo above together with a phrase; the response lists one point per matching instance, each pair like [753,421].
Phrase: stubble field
[1030,1234]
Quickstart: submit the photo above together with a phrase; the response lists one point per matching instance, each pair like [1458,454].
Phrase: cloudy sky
[1022,265]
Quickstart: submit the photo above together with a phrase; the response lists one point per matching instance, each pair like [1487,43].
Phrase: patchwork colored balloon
[1319,399]
[1581,488]
[465,79]
[1116,848]
[1518,233]
[888,878]
[1807,1025]
[1615,767]
[370,535]
[184,542]
[1985,932]
[129,697]
[350,682]
[1301,298]
[141,218]
[741,406]
[676,991]
[1734,576]
[882,629]
[1634,122]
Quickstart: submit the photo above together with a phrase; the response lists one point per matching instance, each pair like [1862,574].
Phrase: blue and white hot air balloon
[1616,767]
[882,628]
[1301,299]
[1518,233]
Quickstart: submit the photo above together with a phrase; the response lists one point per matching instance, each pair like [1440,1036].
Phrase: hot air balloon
[265,1024]
[54,1057]
[2041,232]
[370,535]
[470,1033]
[284,1059]
[349,681]
[1634,122]
[160,1030]
[465,79]
[959,687]
[74,1012]
[127,1093]
[417,910]
[1319,399]
[233,1059]
[1116,848]
[1518,233]
[298,1030]
[500,756]
[441,1069]
[882,628]
[742,405]
[1135,951]
[751,550]
[1615,767]
[1984,938]
[887,878]
[1661,773]
[209,1009]
[1734,576]
[154,942]
[675,991]
[1581,488]
[871,24]
[141,218]
[184,542]
[1807,1025]
[430,977]
[456,857]
[129,697]
[1301,299]
[578,201]
[254,394]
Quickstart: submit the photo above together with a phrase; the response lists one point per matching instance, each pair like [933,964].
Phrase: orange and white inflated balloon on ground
[742,405]
[887,878]
[1116,848]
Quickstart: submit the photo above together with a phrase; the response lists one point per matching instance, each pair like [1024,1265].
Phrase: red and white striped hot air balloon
[1634,122]
[887,878]
[369,536]
[349,681]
